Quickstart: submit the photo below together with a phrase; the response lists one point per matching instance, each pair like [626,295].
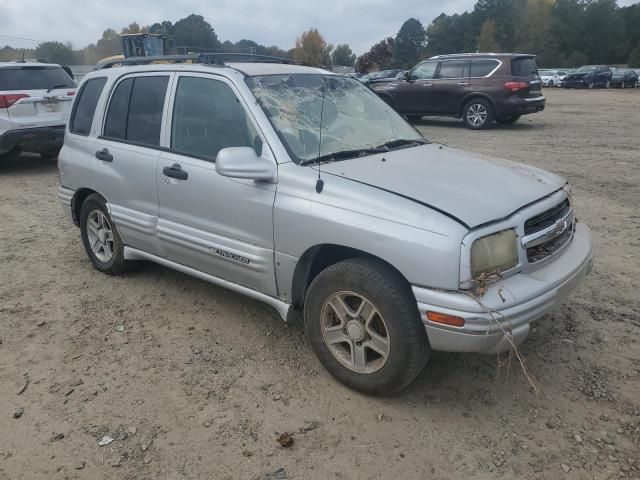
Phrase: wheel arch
[319,257]
[472,96]
[77,201]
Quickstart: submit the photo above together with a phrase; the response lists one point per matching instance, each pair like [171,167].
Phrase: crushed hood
[471,188]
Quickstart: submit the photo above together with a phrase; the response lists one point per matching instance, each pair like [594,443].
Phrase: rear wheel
[363,324]
[478,114]
[101,240]
[508,120]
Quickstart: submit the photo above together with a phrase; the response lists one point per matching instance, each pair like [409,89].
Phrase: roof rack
[208,58]
[478,54]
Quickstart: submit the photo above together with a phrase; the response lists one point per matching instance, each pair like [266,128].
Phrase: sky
[360,23]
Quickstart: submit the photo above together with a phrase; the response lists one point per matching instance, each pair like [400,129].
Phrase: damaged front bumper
[501,317]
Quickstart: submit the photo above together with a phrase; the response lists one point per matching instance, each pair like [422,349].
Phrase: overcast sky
[360,23]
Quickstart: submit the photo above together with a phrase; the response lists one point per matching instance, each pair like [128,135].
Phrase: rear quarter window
[483,67]
[524,67]
[85,106]
[34,78]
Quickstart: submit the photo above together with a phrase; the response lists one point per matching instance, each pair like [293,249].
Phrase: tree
[634,58]
[134,28]
[379,57]
[451,34]
[312,49]
[194,31]
[343,56]
[409,43]
[109,44]
[487,40]
[577,59]
[55,52]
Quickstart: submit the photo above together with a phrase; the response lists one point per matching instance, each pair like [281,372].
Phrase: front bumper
[503,314]
[39,139]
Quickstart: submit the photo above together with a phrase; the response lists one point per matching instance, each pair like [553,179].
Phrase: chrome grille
[548,232]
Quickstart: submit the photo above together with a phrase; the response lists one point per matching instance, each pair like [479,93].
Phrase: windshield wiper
[344,154]
[401,143]
[62,85]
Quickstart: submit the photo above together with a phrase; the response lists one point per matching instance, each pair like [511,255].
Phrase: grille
[545,220]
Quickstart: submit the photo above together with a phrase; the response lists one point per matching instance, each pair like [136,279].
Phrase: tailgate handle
[175,171]
[104,155]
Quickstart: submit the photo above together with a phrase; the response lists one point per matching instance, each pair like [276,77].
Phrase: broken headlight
[494,253]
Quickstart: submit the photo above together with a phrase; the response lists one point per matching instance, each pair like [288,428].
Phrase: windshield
[354,119]
[585,69]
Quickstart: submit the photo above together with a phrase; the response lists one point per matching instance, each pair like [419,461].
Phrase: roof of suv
[27,64]
[458,55]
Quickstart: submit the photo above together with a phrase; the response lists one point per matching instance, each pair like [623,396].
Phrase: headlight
[494,253]
[383,86]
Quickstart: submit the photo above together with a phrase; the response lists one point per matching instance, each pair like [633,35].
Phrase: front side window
[207,117]
[135,110]
[85,106]
[355,121]
[424,71]
[454,69]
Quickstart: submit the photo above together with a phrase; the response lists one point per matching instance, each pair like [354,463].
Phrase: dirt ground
[200,381]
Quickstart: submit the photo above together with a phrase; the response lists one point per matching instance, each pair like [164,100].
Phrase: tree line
[562,33]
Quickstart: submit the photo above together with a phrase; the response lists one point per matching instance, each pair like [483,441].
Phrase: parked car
[34,103]
[382,75]
[622,78]
[302,189]
[479,88]
[552,78]
[589,76]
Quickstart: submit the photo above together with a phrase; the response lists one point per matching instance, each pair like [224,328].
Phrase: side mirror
[406,76]
[242,162]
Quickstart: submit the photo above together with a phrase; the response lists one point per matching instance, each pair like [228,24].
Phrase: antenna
[320,182]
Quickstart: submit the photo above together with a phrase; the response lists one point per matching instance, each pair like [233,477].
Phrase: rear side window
[483,67]
[135,110]
[34,78]
[85,106]
[524,67]
[454,69]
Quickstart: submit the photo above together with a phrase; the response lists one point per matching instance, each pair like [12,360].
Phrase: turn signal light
[515,86]
[7,100]
[452,320]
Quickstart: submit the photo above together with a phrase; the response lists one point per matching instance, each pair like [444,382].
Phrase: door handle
[425,84]
[175,171]
[104,155]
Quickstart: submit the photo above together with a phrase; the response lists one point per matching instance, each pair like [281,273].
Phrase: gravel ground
[192,381]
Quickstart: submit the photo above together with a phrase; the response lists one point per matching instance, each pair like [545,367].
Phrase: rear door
[524,69]
[416,95]
[126,156]
[39,95]
[450,85]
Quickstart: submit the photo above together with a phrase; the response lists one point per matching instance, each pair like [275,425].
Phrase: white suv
[34,104]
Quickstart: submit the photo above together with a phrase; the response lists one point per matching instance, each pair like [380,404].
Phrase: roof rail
[478,54]
[209,58]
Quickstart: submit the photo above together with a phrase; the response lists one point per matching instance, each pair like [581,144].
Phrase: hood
[579,75]
[468,187]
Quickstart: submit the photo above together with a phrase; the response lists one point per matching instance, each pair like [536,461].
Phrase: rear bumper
[515,105]
[509,306]
[33,139]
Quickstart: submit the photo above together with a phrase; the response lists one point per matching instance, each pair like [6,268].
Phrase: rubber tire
[414,118]
[607,85]
[50,153]
[392,296]
[117,264]
[550,84]
[490,116]
[591,85]
[508,120]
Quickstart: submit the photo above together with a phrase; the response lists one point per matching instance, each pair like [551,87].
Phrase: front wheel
[364,326]
[590,85]
[608,84]
[550,83]
[101,240]
[478,114]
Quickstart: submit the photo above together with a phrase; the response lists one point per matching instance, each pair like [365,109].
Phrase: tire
[394,320]
[478,121]
[590,85]
[414,118]
[636,84]
[50,153]
[608,84]
[508,120]
[93,209]
[550,83]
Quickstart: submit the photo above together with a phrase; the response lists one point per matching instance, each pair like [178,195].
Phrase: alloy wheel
[100,235]
[355,332]
[477,114]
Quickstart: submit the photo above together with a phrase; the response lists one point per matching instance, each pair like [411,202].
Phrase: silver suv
[304,190]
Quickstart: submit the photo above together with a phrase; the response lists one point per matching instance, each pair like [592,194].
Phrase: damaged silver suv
[304,190]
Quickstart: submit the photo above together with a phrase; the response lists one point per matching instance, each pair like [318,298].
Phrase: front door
[415,95]
[126,157]
[215,224]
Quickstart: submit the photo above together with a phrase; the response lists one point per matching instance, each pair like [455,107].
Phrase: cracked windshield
[355,121]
